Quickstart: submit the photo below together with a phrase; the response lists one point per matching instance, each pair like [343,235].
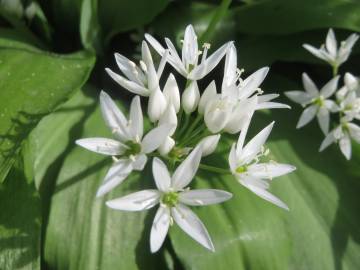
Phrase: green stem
[193,125]
[335,70]
[214,169]
[219,14]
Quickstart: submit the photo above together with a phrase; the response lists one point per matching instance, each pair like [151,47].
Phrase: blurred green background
[52,59]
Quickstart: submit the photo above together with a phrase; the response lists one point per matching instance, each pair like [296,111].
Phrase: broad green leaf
[81,232]
[89,25]
[284,16]
[20,223]
[32,85]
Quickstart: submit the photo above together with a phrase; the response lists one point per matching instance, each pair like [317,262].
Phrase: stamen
[162,63]
[206,47]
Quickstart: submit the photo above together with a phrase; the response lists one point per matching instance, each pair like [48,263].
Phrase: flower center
[134,148]
[319,101]
[177,153]
[170,199]
[241,169]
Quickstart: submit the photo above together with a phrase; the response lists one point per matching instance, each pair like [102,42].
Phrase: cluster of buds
[185,126]
[343,101]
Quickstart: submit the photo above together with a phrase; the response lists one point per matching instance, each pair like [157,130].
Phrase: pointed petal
[169,117]
[138,201]
[329,88]
[345,146]
[190,47]
[209,144]
[161,175]
[172,93]
[266,195]
[331,43]
[331,105]
[166,146]
[269,170]
[207,96]
[252,83]
[329,139]
[230,67]
[175,60]
[186,170]
[307,115]
[323,117]
[102,146]
[127,84]
[192,225]
[136,118]
[155,44]
[159,228]
[190,97]
[300,97]
[204,196]
[233,158]
[309,85]
[117,173]
[314,51]
[254,145]
[139,162]
[209,64]
[152,78]
[354,131]
[267,97]
[272,105]
[155,138]
[128,67]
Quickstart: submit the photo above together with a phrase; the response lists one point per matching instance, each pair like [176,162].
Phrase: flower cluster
[186,126]
[344,101]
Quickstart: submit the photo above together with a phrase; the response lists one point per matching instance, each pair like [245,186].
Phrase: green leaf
[20,223]
[284,16]
[32,85]
[89,25]
[81,232]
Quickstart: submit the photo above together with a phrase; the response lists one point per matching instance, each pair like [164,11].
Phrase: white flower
[173,196]
[208,144]
[190,97]
[255,175]
[139,80]
[157,105]
[129,149]
[342,134]
[350,106]
[188,65]
[351,84]
[330,52]
[320,104]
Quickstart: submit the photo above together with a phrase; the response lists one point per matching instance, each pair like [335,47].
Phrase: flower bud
[209,94]
[169,117]
[172,93]
[190,97]
[157,105]
[216,116]
[166,147]
[209,144]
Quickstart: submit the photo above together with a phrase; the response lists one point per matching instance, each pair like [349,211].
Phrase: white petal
[351,81]
[127,84]
[331,105]
[192,225]
[267,97]
[254,145]
[138,201]
[209,144]
[354,131]
[113,117]
[216,117]
[331,44]
[190,97]
[272,105]
[139,162]
[157,105]
[161,175]
[117,173]
[155,44]
[136,118]
[230,67]
[155,138]
[307,115]
[102,146]
[166,146]
[345,146]
[329,139]
[169,117]
[269,170]
[204,196]
[207,96]
[233,158]
[323,117]
[190,47]
[128,67]
[159,228]
[266,195]
[330,88]
[186,170]
[316,52]
[171,92]
[252,83]
[152,78]
[300,97]
[309,85]
[209,64]
[175,60]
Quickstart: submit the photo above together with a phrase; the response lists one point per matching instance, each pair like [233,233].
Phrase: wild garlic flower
[330,52]
[256,175]
[318,102]
[342,135]
[188,65]
[173,196]
[129,149]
